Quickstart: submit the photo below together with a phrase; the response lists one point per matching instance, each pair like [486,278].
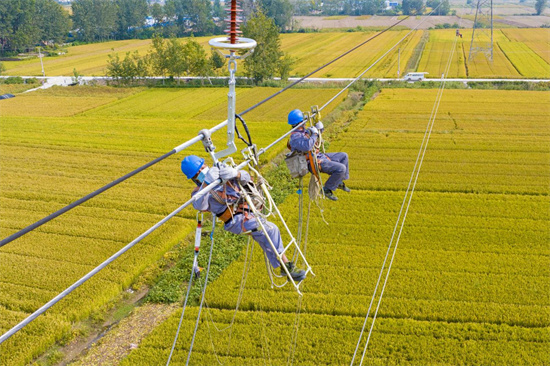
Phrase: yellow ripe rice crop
[527,62]
[540,48]
[326,46]
[312,50]
[89,60]
[470,279]
[336,17]
[61,144]
[435,55]
[527,35]
[437,51]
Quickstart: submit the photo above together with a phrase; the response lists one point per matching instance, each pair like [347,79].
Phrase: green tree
[176,59]
[51,20]
[443,7]
[26,23]
[216,62]
[192,16]
[217,9]
[158,57]
[411,7]
[262,64]
[114,67]
[130,13]
[127,70]
[278,10]
[198,64]
[18,31]
[540,5]
[371,7]
[157,12]
[94,19]
[285,66]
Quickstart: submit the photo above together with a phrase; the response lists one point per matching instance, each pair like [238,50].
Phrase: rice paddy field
[470,283]
[60,144]
[512,58]
[518,53]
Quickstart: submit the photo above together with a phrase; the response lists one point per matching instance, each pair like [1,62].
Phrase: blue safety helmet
[295,117]
[191,165]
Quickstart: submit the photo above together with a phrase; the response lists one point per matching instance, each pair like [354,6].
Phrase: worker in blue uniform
[227,203]
[334,164]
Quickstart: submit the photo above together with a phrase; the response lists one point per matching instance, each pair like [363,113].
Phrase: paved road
[69,80]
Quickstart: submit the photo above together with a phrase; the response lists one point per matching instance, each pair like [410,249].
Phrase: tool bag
[297,164]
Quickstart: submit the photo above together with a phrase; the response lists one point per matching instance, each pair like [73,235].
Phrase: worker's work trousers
[337,167]
[238,222]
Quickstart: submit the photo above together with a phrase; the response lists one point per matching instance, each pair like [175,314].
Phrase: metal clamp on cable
[207,141]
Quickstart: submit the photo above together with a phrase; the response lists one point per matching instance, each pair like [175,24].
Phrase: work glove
[212,175]
[319,125]
[228,173]
[313,131]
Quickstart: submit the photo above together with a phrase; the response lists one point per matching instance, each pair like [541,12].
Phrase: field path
[119,341]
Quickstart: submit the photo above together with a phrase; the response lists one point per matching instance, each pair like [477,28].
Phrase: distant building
[390,4]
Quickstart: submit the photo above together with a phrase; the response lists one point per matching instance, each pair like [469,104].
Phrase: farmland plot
[470,281]
[60,144]
[311,50]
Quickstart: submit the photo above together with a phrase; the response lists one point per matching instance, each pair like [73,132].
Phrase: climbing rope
[203,291]
[204,191]
[198,234]
[189,287]
[296,329]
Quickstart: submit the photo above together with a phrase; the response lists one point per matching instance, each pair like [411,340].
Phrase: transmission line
[175,150]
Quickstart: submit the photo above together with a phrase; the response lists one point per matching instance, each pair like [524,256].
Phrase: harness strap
[225,216]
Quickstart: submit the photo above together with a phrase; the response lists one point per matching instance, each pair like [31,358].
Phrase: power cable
[320,68]
[190,283]
[93,272]
[410,188]
[199,194]
[175,150]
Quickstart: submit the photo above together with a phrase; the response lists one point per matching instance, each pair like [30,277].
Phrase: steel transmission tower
[482,34]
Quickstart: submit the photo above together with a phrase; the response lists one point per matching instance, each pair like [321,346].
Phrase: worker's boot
[296,274]
[330,195]
[343,187]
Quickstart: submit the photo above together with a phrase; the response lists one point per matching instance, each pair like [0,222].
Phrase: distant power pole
[482,34]
[40,55]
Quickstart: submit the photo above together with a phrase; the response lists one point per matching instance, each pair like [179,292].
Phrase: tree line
[25,24]
[28,23]
[174,58]
[368,7]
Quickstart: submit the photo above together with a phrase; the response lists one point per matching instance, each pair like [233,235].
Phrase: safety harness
[314,162]
[236,205]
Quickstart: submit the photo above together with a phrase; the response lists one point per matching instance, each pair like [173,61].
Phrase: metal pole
[41,65]
[231,108]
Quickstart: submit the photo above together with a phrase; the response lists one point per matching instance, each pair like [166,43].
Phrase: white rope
[189,284]
[296,329]
[203,291]
[410,188]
